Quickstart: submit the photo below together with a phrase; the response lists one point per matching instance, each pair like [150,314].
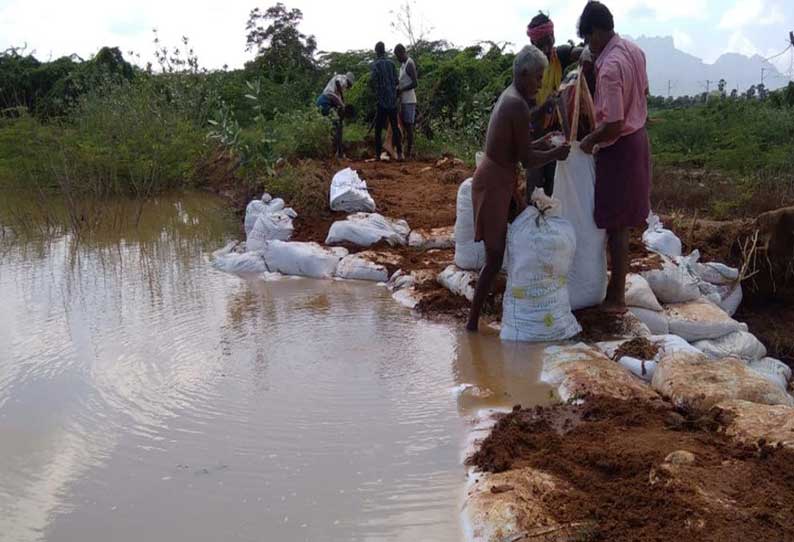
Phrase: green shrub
[304,133]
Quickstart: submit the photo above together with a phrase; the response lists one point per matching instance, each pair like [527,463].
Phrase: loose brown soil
[639,348]
[613,454]
[420,192]
[599,325]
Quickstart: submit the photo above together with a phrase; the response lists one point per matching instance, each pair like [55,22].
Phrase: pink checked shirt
[621,86]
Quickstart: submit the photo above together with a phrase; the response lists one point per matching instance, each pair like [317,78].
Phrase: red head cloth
[539,32]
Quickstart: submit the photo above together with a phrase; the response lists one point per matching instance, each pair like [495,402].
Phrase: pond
[145,395]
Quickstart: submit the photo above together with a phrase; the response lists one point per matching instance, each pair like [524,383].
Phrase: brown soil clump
[639,348]
[599,325]
[629,485]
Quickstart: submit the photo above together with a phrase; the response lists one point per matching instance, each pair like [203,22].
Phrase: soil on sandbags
[639,348]
[625,484]
[600,325]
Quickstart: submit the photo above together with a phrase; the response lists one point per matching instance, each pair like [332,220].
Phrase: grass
[727,159]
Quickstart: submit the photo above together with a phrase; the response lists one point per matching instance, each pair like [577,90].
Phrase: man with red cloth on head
[623,152]
[541,34]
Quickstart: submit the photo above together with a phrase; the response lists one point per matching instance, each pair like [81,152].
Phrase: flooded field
[145,395]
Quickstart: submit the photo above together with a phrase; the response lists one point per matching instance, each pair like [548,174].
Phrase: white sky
[705,28]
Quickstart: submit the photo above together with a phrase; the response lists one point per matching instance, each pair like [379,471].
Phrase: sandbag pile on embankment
[673,405]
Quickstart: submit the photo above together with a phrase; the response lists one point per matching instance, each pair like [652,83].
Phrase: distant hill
[687,74]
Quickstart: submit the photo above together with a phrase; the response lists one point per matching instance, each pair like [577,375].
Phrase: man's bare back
[508,137]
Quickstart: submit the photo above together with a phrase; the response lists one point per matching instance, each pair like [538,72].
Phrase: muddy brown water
[146,396]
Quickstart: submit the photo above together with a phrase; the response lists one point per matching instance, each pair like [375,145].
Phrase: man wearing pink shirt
[623,154]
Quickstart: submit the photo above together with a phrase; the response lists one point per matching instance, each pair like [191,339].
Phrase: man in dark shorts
[408,82]
[541,35]
[385,84]
[508,142]
[620,142]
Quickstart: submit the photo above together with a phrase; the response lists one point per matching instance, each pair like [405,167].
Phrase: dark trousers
[381,116]
[542,177]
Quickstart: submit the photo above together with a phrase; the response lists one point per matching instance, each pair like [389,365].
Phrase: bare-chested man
[508,143]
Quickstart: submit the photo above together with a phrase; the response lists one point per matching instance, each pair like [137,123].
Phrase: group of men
[520,131]
[395,95]
[616,71]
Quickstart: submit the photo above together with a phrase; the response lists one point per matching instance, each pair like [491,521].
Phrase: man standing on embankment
[408,82]
[385,84]
[620,141]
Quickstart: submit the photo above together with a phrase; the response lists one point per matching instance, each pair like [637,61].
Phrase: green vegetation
[104,126]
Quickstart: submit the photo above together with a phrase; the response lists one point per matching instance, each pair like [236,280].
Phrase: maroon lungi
[623,182]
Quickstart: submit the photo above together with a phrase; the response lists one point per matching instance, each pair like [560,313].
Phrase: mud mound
[640,472]
[639,348]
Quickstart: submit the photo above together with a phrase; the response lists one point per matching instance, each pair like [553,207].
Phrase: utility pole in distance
[762,75]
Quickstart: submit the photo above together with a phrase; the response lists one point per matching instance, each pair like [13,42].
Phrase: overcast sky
[705,28]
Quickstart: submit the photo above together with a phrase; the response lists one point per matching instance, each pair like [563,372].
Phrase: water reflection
[145,395]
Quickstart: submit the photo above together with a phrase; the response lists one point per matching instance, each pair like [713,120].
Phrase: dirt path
[421,192]
[623,484]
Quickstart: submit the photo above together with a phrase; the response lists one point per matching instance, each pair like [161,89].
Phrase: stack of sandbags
[267,219]
[540,251]
[349,193]
[366,229]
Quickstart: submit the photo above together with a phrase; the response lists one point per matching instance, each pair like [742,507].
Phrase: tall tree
[282,51]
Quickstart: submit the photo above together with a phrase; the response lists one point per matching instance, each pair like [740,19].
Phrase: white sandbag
[458,281]
[574,187]
[302,259]
[349,193]
[717,273]
[739,344]
[728,297]
[659,239]
[698,320]
[468,253]
[672,283]
[656,321]
[773,370]
[540,252]
[366,229]
[269,226]
[639,293]
[432,238]
[243,264]
[265,205]
[357,267]
[730,303]
[252,211]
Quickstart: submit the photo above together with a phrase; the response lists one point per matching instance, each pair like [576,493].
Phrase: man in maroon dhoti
[623,155]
